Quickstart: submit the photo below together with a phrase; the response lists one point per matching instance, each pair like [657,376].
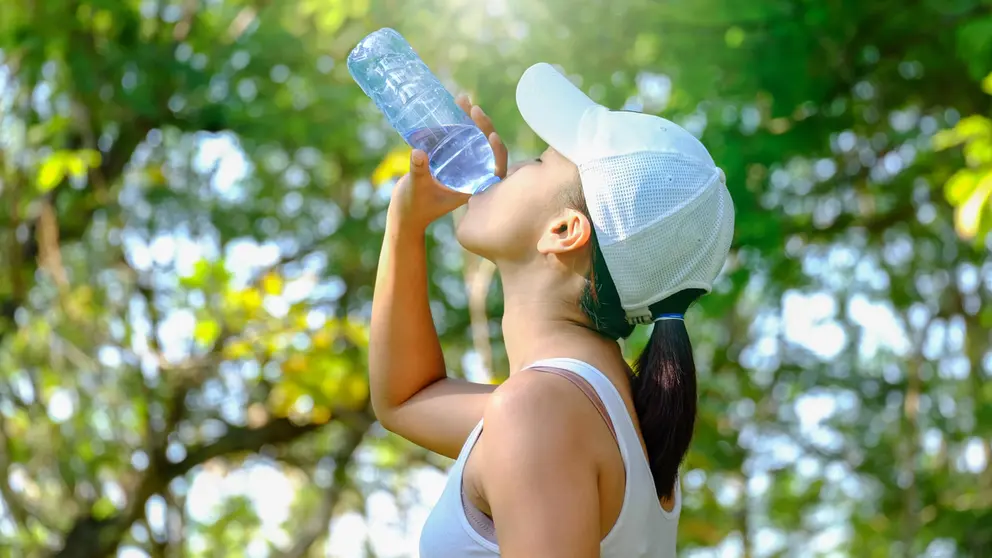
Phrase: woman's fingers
[485,124]
[482,120]
[500,153]
[478,115]
[464,103]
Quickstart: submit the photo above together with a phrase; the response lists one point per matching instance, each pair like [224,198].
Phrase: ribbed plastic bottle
[417,105]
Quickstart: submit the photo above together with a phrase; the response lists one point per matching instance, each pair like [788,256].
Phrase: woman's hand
[419,199]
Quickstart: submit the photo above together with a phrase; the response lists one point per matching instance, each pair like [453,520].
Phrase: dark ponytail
[664,387]
[663,380]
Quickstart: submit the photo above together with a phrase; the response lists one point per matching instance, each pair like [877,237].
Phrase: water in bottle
[417,106]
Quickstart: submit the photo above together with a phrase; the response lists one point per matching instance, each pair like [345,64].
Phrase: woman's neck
[542,318]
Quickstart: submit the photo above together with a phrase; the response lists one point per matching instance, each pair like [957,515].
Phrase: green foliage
[192,207]
[64,164]
[969,190]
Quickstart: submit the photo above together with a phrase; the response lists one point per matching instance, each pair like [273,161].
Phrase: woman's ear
[569,231]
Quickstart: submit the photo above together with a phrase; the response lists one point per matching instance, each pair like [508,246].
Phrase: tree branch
[99,537]
[14,505]
[18,508]
[241,439]
[320,523]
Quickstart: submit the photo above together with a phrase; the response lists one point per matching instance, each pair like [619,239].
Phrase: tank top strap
[616,409]
[470,441]
[586,388]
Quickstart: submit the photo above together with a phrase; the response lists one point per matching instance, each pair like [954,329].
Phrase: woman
[623,220]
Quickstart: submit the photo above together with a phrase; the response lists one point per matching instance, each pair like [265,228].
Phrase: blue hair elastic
[663,317]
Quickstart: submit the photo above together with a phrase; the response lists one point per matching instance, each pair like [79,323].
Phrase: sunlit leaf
[968,216]
[734,37]
[395,163]
[645,48]
[103,508]
[320,414]
[357,333]
[74,165]
[91,158]
[52,172]
[251,300]
[238,349]
[206,331]
[282,397]
[978,151]
[295,364]
[272,284]
[969,128]
[322,340]
[355,389]
[102,21]
[960,186]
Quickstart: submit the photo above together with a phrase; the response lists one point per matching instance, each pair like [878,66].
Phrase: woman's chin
[466,236]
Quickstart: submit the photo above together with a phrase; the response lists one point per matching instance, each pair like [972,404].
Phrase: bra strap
[590,392]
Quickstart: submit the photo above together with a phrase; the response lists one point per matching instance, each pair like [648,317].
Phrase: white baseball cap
[660,206]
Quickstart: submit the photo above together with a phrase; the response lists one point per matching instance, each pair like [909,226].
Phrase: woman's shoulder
[546,407]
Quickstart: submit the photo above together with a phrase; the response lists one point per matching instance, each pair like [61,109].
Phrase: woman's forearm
[404,351]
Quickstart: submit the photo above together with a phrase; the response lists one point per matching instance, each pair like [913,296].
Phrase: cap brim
[553,107]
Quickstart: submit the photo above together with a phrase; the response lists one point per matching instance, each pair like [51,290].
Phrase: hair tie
[663,317]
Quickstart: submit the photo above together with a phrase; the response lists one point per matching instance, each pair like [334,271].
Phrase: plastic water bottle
[417,106]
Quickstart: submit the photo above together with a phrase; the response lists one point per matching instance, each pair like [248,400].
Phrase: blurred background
[192,198]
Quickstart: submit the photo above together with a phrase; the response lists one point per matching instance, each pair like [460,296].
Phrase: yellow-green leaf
[322,340]
[968,215]
[968,129]
[978,151]
[103,21]
[394,164]
[52,172]
[987,84]
[355,389]
[734,37]
[103,508]
[320,414]
[237,350]
[357,333]
[282,397]
[296,364]
[206,331]
[960,186]
[645,48]
[75,166]
[91,158]
[251,300]
[272,284]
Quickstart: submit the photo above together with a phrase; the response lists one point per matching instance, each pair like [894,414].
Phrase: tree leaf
[272,284]
[968,219]
[395,163]
[206,331]
[51,173]
[960,186]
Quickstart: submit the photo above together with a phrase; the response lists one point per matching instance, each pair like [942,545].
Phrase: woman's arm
[411,393]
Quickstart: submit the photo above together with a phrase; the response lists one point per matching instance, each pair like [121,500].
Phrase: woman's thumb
[418,164]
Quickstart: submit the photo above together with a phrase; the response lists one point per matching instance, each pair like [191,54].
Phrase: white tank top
[455,529]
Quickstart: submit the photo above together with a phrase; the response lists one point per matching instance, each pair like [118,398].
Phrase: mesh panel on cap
[627,193]
[684,249]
